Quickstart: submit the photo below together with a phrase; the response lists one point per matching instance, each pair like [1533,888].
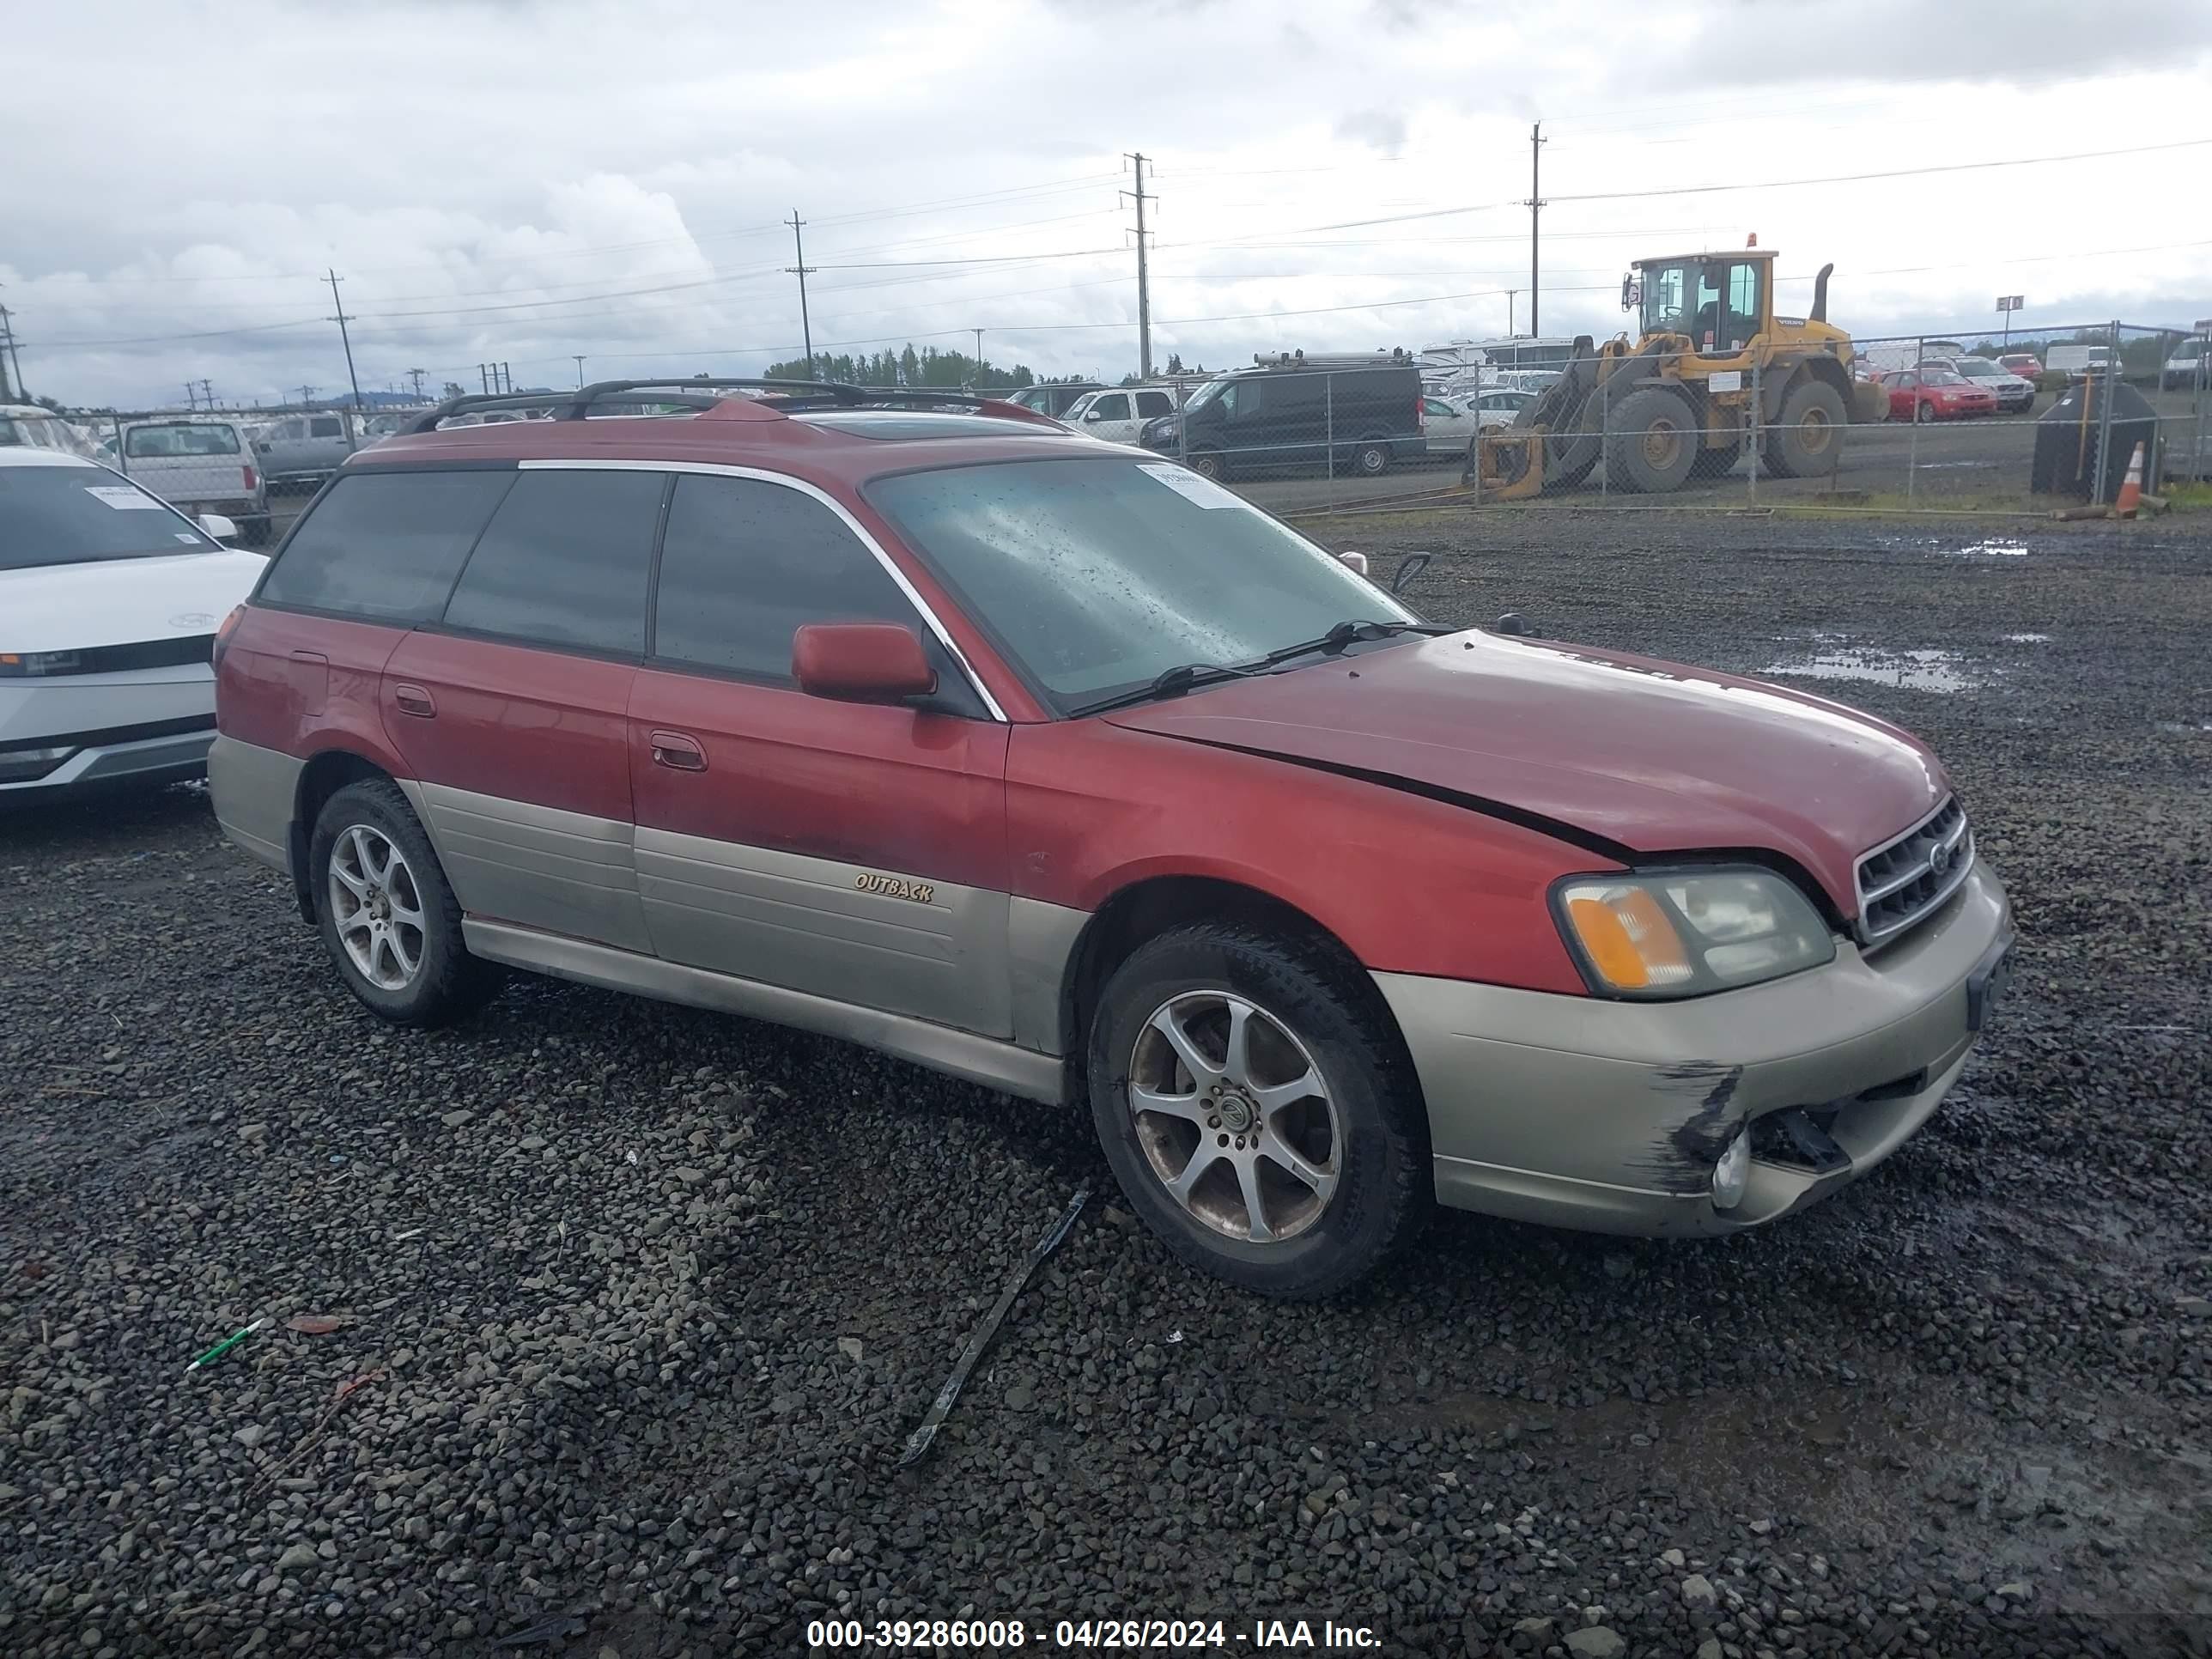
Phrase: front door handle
[677,752]
[413,700]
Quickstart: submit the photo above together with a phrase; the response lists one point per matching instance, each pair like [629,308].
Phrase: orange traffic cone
[2131,488]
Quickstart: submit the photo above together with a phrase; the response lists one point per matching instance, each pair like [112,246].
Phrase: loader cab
[1720,301]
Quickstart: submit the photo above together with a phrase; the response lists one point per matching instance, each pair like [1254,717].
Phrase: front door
[512,709]
[851,851]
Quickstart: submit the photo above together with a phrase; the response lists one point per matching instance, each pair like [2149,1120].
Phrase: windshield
[1206,393]
[1940,377]
[75,514]
[1095,575]
[1978,368]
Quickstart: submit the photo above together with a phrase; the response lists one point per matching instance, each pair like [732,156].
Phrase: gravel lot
[648,1300]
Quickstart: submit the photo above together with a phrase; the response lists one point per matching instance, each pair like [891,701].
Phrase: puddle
[1938,466]
[1995,549]
[1915,670]
[2028,639]
[2181,726]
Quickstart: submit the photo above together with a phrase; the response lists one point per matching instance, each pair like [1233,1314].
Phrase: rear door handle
[677,752]
[413,700]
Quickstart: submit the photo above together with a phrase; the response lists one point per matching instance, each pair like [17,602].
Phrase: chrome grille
[1908,879]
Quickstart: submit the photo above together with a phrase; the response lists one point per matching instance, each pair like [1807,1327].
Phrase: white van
[1118,414]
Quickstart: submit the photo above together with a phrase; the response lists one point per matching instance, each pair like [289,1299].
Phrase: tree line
[928,366]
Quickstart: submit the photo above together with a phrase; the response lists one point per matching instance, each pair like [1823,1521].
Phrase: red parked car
[1056,767]
[1936,394]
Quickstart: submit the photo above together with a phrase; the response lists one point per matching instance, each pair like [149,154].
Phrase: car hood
[69,607]
[1641,757]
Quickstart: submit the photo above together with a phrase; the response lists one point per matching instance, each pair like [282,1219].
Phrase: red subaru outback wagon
[1051,765]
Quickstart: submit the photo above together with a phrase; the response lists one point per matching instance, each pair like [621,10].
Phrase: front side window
[160,442]
[1097,575]
[81,514]
[1665,300]
[564,561]
[746,563]
[1110,406]
[386,545]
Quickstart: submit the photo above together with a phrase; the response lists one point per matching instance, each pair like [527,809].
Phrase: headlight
[18,663]
[1683,934]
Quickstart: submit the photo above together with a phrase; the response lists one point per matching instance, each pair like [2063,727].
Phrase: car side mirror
[1515,623]
[861,662]
[1408,568]
[1354,561]
[215,526]
[1095,415]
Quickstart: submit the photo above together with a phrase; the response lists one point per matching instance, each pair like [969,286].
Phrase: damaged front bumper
[1609,1117]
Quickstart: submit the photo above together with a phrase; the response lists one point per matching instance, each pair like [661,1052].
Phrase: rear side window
[1150,403]
[386,545]
[565,561]
[744,564]
[152,442]
[324,426]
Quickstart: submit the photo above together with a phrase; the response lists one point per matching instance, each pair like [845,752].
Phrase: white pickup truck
[198,466]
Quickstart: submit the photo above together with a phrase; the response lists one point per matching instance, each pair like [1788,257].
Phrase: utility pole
[191,395]
[978,333]
[1144,282]
[415,374]
[1536,141]
[207,393]
[1509,294]
[578,357]
[8,341]
[342,319]
[802,268]
[307,395]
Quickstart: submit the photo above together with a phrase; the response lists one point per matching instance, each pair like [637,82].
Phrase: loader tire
[1810,431]
[1651,443]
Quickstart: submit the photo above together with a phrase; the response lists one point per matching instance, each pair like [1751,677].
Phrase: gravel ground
[646,1300]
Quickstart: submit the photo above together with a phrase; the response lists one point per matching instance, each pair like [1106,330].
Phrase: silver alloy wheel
[1234,1117]
[377,906]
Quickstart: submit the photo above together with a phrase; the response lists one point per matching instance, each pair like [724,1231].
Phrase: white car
[2192,360]
[2014,395]
[1118,414]
[1448,422]
[28,426]
[110,599]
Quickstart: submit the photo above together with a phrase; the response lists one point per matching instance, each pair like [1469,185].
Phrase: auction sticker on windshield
[1189,485]
[123,498]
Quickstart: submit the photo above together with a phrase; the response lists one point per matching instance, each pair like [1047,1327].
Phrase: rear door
[512,707]
[853,852]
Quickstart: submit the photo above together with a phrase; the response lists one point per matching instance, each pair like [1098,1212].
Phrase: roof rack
[704,392]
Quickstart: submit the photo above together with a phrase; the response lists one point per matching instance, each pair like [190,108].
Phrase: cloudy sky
[524,180]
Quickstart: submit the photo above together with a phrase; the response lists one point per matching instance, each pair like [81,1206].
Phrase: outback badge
[896,887]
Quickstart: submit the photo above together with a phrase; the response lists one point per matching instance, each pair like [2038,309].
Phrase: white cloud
[521,181]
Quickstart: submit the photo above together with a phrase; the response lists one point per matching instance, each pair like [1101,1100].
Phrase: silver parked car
[301,451]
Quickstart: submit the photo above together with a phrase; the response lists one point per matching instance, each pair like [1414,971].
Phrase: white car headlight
[1687,932]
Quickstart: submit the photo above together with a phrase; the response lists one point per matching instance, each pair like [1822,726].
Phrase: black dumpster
[2066,438]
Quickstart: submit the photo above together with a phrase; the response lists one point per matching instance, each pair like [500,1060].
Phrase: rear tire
[1651,442]
[1207,463]
[387,916]
[1811,432]
[1370,458]
[1358,1124]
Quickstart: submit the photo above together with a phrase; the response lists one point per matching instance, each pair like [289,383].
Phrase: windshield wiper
[1344,634]
[1186,676]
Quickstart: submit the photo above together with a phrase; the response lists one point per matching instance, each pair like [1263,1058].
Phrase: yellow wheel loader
[1677,402]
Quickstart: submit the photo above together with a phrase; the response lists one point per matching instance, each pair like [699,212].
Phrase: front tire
[1811,431]
[1923,412]
[1372,459]
[387,916]
[1258,1110]
[1651,442]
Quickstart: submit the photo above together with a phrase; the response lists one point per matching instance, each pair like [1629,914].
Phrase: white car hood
[69,607]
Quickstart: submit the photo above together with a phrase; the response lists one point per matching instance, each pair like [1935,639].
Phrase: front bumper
[144,726]
[1609,1117]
